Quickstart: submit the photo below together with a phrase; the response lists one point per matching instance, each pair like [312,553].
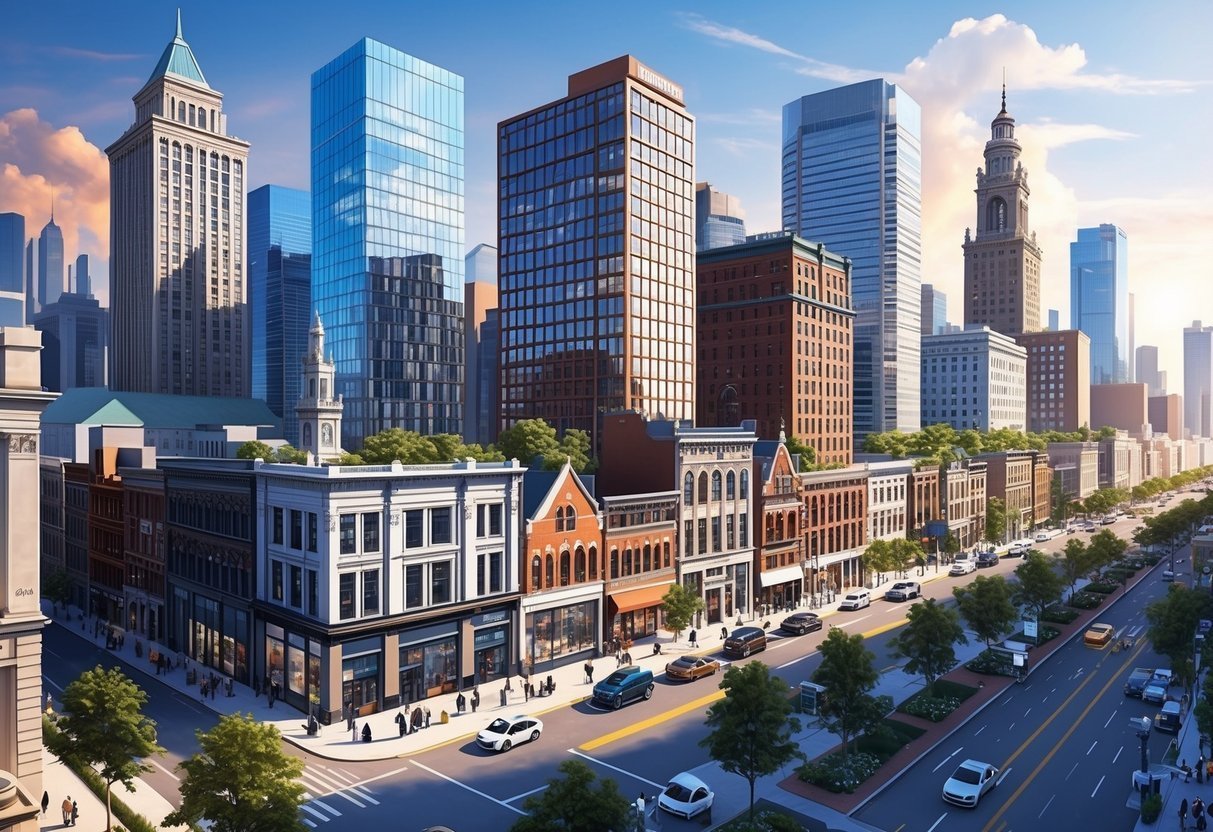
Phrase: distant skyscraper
[1148,372]
[1131,355]
[178,291]
[598,314]
[1054,320]
[50,264]
[31,284]
[481,346]
[84,280]
[719,220]
[74,342]
[1198,379]
[852,179]
[280,296]
[12,271]
[1099,299]
[387,220]
[934,310]
[1002,261]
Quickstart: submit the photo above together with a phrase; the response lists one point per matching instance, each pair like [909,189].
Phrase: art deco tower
[1002,262]
[178,297]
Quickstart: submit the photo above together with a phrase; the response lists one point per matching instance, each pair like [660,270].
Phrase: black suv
[985,559]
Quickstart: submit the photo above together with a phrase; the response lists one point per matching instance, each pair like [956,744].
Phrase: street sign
[1029,628]
[810,698]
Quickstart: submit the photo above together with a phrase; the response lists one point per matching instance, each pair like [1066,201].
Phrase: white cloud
[742,146]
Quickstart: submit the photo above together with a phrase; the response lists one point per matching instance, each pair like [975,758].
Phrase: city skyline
[1083,106]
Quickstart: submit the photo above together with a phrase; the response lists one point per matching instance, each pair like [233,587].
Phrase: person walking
[353,730]
[67,810]
[694,639]
[1183,814]
[75,813]
[347,711]
[461,703]
[400,723]
[589,672]
[1198,814]
[427,716]
[46,801]
[724,633]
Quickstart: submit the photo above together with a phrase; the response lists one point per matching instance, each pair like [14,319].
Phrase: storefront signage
[491,618]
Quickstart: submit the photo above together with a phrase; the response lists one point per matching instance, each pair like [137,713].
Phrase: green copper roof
[99,406]
[178,59]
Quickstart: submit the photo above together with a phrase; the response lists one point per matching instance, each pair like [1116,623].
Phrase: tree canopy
[1172,622]
[938,442]
[808,454]
[996,520]
[985,605]
[534,439]
[848,674]
[679,606]
[1038,584]
[928,641]
[576,802]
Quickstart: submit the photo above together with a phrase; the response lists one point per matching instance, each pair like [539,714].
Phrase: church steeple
[319,408]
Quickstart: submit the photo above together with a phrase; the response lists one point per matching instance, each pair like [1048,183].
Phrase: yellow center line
[635,728]
[1057,746]
[884,628]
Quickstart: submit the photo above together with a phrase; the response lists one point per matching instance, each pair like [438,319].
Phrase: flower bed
[1059,615]
[1103,587]
[764,821]
[990,663]
[946,698]
[1085,600]
[836,774]
[1119,575]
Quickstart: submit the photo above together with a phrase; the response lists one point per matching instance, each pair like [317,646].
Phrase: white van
[856,600]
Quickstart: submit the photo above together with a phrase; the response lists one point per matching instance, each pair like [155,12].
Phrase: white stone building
[976,378]
[887,485]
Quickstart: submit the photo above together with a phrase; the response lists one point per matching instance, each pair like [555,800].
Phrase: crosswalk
[328,791]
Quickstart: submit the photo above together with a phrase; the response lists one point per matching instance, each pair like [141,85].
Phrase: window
[745,529]
[349,526]
[296,587]
[296,529]
[564,568]
[703,487]
[440,525]
[536,573]
[688,488]
[414,531]
[370,531]
[488,572]
[276,580]
[745,486]
[560,518]
[413,592]
[313,593]
[716,485]
[277,525]
[440,582]
[370,592]
[716,534]
[730,486]
[495,520]
[579,566]
[345,595]
[311,531]
[703,535]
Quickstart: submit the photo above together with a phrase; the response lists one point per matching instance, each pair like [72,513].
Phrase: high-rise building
[934,310]
[50,264]
[974,379]
[719,220]
[775,325]
[1148,372]
[1121,406]
[75,340]
[387,235]
[481,347]
[1002,260]
[84,279]
[1167,415]
[12,272]
[1198,379]
[1054,320]
[1058,379]
[178,302]
[1099,299]
[1131,355]
[280,296]
[598,252]
[31,283]
[852,179]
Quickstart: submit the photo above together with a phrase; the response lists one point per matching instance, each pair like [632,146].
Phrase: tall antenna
[1004,89]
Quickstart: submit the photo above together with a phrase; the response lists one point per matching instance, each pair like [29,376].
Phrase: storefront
[211,633]
[491,646]
[293,661]
[636,613]
[781,587]
[560,635]
[725,591]
[428,661]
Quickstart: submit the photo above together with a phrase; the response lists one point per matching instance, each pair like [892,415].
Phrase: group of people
[1199,814]
[411,720]
[621,647]
[71,812]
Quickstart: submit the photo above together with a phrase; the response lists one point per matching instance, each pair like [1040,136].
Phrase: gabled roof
[539,490]
[100,406]
[178,59]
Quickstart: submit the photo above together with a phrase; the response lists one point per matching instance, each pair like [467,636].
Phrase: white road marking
[596,761]
[936,823]
[1117,757]
[1012,728]
[979,730]
[1097,785]
[309,823]
[312,811]
[1025,713]
[853,621]
[364,793]
[162,768]
[1092,748]
[795,661]
[945,759]
[347,771]
[327,808]
[998,782]
[1109,722]
[525,794]
[1046,808]
[1072,771]
[332,772]
[455,782]
[350,799]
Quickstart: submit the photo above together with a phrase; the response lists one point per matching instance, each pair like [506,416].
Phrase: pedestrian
[526,691]
[67,810]
[694,639]
[588,667]
[1198,813]
[427,716]
[354,730]
[75,812]
[1200,769]
[475,699]
[505,698]
[348,713]
[46,801]
[618,645]
[400,723]
[1183,814]
[230,693]
[202,689]
[366,731]
[416,719]
[724,633]
[461,703]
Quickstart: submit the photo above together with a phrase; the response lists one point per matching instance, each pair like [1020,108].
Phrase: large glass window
[414,529]
[370,592]
[440,525]
[370,532]
[559,632]
[414,588]
[440,582]
[349,532]
[345,595]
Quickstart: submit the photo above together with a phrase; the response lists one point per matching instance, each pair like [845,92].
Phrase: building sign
[659,82]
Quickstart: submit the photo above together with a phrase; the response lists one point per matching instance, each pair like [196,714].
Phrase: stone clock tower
[1002,262]
[319,413]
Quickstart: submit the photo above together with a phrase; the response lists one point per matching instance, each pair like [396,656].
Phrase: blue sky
[1113,102]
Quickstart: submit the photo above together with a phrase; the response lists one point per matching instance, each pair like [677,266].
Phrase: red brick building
[106,536]
[144,545]
[640,542]
[836,508]
[780,544]
[922,499]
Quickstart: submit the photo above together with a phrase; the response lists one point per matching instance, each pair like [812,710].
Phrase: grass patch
[836,774]
[1059,615]
[1085,600]
[1102,588]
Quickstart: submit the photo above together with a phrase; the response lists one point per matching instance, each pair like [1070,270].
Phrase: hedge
[1086,600]
[1059,615]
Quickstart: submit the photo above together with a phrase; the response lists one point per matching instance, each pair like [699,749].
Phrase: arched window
[570,518]
[665,547]
[551,569]
[688,489]
[730,486]
[745,485]
[560,518]
[648,558]
[536,576]
[703,487]
[579,565]
[614,564]
[593,564]
[716,486]
[627,562]
[996,214]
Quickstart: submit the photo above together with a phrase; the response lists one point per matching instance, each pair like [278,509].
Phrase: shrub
[934,708]
[834,774]
[764,821]
[1151,808]
[991,663]
[1102,588]
[1043,634]
[1059,615]
[1086,600]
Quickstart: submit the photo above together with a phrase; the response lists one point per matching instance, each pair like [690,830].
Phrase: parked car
[1168,718]
[1137,681]
[690,668]
[1156,690]
[686,796]
[1098,635]
[963,564]
[627,684]
[1107,520]
[856,600]
[743,641]
[903,591]
[985,559]
[1018,550]
[504,733]
[969,783]
[801,623]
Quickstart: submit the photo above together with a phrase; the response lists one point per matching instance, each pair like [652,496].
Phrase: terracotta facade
[779,556]
[836,505]
[636,526]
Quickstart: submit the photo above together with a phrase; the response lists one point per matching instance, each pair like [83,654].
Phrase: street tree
[1075,561]
[103,727]
[904,553]
[996,520]
[878,558]
[240,780]
[680,605]
[928,641]
[1039,583]
[752,727]
[985,605]
[57,588]
[1106,548]
[848,674]
[576,802]
[1172,622]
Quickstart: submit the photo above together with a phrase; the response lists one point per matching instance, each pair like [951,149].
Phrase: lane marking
[883,628]
[936,823]
[1012,728]
[898,829]
[852,621]
[313,812]
[477,792]
[795,661]
[1025,713]
[1109,722]
[1046,808]
[309,823]
[526,794]
[624,771]
[1068,776]
[979,730]
[1117,757]
[945,759]
[327,808]
[336,775]
[1002,777]
[1092,748]
[1097,785]
[162,768]
[350,799]
[644,724]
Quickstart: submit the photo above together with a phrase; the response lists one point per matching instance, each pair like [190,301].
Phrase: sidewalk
[60,782]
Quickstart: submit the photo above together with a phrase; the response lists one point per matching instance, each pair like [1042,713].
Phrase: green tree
[255,449]
[996,520]
[1106,548]
[528,439]
[483,454]
[1172,622]
[103,727]
[904,553]
[57,588]
[1075,561]
[1039,584]
[447,447]
[408,446]
[878,558]
[808,454]
[1107,432]
[985,605]
[240,780]
[290,454]
[928,641]
[348,458]
[679,606]
[575,447]
[576,802]
[848,674]
[752,727]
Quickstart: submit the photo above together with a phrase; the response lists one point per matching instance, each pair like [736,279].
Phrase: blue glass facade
[12,270]
[50,264]
[280,286]
[1099,299]
[852,179]
[388,237]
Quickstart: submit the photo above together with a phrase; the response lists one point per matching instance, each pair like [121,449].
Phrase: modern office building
[1120,406]
[934,311]
[852,179]
[82,284]
[719,219]
[598,252]
[1058,379]
[1077,465]
[1054,320]
[974,379]
[75,342]
[1148,372]
[280,296]
[1167,415]
[1002,259]
[1099,299]
[51,283]
[12,271]
[1198,379]
[1132,353]
[31,283]
[387,230]
[178,299]
[481,331]
[775,324]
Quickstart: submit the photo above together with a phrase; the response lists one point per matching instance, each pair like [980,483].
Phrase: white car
[971,780]
[686,796]
[963,566]
[502,734]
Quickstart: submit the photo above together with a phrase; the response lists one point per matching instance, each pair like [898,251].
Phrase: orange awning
[638,599]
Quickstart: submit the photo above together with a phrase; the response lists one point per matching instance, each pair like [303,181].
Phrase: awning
[638,599]
[781,576]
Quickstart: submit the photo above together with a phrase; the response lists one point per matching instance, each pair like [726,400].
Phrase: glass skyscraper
[12,270]
[280,296]
[50,264]
[719,218]
[1099,299]
[852,179]
[387,237]
[1198,379]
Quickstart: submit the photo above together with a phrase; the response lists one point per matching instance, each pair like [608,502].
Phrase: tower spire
[1004,88]
[179,35]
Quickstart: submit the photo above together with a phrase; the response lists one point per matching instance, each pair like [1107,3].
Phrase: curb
[897,775]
